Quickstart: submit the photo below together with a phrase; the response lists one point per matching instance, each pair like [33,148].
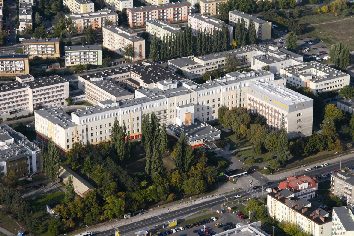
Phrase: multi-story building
[118,39]
[303,186]
[14,64]
[18,155]
[25,17]
[161,29]
[95,20]
[79,6]
[252,229]
[258,57]
[284,208]
[342,183]
[315,76]
[174,102]
[342,221]
[210,7]
[119,5]
[170,12]
[281,107]
[83,55]
[263,28]
[207,24]
[43,48]
[31,2]
[157,2]
[22,97]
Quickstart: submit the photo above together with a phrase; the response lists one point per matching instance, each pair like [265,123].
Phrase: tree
[291,41]
[232,63]
[257,134]
[129,51]
[292,229]
[252,34]
[333,113]
[114,207]
[340,55]
[347,92]
[154,49]
[257,210]
[54,227]
[51,161]
[89,34]
[69,191]
[120,140]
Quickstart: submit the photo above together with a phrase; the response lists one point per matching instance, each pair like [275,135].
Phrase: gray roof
[152,73]
[45,40]
[164,25]
[112,87]
[346,217]
[209,20]
[5,87]
[99,13]
[125,33]
[57,116]
[13,56]
[247,16]
[154,7]
[83,47]
[46,81]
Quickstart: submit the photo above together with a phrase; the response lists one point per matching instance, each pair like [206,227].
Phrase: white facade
[161,29]
[342,221]
[79,6]
[207,24]
[315,76]
[315,222]
[22,98]
[119,5]
[83,55]
[94,124]
[25,17]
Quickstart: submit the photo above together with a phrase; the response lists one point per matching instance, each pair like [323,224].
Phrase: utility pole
[340,165]
[273,229]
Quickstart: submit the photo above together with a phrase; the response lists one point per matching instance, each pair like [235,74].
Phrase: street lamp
[273,229]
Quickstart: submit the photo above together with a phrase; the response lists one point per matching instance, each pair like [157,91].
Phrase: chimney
[322,218]
[303,210]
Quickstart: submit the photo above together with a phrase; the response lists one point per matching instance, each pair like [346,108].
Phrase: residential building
[315,76]
[170,12]
[342,221]
[207,24]
[43,48]
[157,2]
[263,28]
[303,186]
[210,7]
[79,6]
[174,102]
[161,29]
[22,97]
[342,183]
[83,55]
[95,20]
[118,39]
[251,229]
[24,17]
[14,64]
[119,5]
[256,56]
[30,2]
[284,208]
[81,186]
[17,154]
[346,105]
[282,107]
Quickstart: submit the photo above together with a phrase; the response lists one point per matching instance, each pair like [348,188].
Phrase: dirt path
[333,21]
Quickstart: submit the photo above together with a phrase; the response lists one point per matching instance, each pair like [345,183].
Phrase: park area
[330,28]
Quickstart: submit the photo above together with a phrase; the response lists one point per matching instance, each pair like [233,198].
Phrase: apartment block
[315,76]
[161,29]
[157,2]
[117,39]
[17,154]
[43,48]
[22,97]
[207,24]
[303,186]
[173,101]
[14,64]
[256,56]
[95,20]
[79,6]
[119,5]
[342,221]
[314,221]
[342,183]
[251,229]
[83,55]
[25,17]
[31,2]
[171,13]
[263,28]
[210,7]
[282,107]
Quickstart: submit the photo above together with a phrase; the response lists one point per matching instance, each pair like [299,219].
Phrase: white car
[237,196]
[308,169]
[325,164]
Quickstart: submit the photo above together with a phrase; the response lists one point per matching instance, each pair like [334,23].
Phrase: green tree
[347,92]
[154,49]
[129,51]
[120,140]
[183,154]
[51,161]
[252,34]
[257,209]
[291,41]
[257,134]
[114,207]
[69,191]
[340,55]
[54,227]
[90,36]
[292,229]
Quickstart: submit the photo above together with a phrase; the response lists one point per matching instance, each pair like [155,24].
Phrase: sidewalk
[5,232]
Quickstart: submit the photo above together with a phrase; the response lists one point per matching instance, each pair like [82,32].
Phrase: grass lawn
[39,204]
[237,142]
[331,29]
[207,214]
[249,158]
[8,223]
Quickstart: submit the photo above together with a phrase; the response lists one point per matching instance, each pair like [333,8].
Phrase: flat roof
[112,87]
[57,116]
[208,19]
[45,81]
[83,47]
[125,33]
[107,73]
[248,16]
[5,87]
[152,73]
[155,7]
[103,12]
[345,216]
[13,56]
[164,25]
[44,40]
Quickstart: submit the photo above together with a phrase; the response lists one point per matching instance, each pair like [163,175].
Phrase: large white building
[207,24]
[175,102]
[285,208]
[22,97]
[263,28]
[79,6]
[18,155]
[118,39]
[342,185]
[161,29]
[257,56]
[83,55]
[342,221]
[315,76]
